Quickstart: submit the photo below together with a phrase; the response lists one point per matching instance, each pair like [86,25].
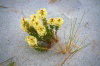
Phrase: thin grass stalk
[68,57]
[79,24]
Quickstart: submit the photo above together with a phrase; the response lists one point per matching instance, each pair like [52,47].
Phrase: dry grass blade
[73,39]
[70,55]
[79,25]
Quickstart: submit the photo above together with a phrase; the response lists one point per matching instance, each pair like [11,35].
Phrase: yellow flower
[51,21]
[24,24]
[35,24]
[55,21]
[31,40]
[59,22]
[42,13]
[41,30]
[34,17]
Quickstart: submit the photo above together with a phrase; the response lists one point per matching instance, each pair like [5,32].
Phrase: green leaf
[11,64]
[40,48]
[56,28]
[44,22]
[34,33]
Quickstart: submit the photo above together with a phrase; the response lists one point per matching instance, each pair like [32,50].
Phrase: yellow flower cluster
[34,17]
[35,21]
[24,24]
[31,40]
[37,24]
[51,21]
[41,30]
[42,13]
[55,21]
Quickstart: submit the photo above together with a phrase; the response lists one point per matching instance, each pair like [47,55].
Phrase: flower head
[41,30]
[42,13]
[31,40]
[59,22]
[55,21]
[24,24]
[35,24]
[34,17]
[51,21]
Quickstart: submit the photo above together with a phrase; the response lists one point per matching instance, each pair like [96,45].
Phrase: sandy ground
[12,42]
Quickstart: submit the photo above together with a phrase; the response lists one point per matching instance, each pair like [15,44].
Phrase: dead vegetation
[72,45]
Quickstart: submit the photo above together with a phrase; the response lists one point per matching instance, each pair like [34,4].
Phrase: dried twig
[71,54]
[1,6]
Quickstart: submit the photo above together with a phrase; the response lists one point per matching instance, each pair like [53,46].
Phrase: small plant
[42,31]
[43,34]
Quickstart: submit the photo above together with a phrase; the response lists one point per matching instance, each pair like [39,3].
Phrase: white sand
[12,42]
